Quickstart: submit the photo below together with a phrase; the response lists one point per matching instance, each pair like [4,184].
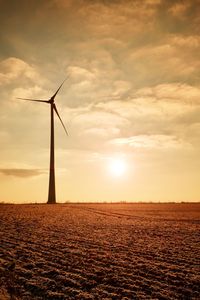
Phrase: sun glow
[117,167]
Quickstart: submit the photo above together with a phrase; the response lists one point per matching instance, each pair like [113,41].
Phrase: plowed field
[100,251]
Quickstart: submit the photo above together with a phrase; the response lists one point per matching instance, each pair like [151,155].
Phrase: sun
[117,167]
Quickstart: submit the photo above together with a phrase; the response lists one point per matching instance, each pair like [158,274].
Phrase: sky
[132,98]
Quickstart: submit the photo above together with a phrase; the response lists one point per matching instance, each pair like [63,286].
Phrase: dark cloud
[22,172]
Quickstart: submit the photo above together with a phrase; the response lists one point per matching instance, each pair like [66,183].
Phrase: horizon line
[101,202]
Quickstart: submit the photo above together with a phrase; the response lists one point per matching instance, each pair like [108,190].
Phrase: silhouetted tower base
[52,189]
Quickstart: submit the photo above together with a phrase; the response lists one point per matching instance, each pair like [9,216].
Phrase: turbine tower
[52,189]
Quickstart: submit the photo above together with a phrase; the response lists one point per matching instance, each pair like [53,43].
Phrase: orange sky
[133,95]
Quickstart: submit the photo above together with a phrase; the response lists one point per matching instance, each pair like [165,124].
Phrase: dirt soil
[100,251]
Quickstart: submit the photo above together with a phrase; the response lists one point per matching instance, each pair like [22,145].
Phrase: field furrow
[94,251]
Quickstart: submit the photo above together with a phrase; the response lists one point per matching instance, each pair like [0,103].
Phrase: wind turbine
[52,190]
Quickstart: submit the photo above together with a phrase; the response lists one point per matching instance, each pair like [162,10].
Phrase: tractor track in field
[136,217]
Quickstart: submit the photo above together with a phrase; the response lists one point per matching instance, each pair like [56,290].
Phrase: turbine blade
[59,88]
[54,107]
[37,100]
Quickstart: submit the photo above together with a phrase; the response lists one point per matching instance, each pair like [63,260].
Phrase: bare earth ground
[100,251]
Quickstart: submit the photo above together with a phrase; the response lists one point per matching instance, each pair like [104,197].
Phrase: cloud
[13,68]
[180,9]
[191,41]
[153,105]
[161,111]
[78,74]
[151,142]
[164,61]
[91,130]
[114,19]
[25,173]
[101,133]
[98,119]
[176,92]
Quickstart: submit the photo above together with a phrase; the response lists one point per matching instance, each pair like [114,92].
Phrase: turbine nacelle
[51,100]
